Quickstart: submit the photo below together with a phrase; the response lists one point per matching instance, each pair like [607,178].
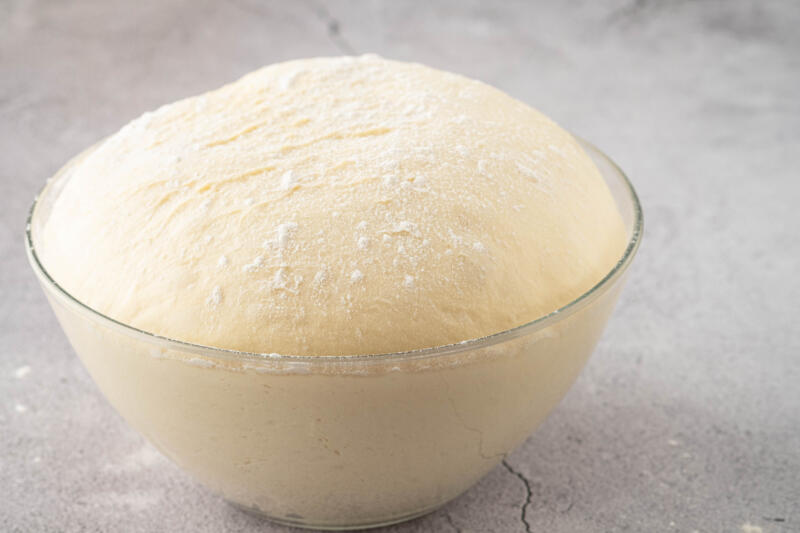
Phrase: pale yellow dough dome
[334,206]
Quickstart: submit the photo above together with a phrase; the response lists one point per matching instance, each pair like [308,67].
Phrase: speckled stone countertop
[687,417]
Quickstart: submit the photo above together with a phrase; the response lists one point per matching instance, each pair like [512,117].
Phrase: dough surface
[334,206]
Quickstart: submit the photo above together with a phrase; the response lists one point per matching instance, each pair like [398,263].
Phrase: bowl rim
[214,352]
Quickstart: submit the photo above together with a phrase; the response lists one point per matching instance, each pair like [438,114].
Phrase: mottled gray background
[687,417]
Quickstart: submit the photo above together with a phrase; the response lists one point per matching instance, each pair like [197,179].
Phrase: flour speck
[279,280]
[216,297]
[22,371]
[283,232]
[257,263]
[288,181]
[408,281]
[356,276]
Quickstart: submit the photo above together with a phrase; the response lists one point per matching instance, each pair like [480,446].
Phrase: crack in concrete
[333,26]
[452,524]
[528,494]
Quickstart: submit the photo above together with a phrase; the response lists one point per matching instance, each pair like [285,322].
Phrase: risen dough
[334,206]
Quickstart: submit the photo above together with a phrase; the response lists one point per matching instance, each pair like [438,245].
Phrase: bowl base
[284,521]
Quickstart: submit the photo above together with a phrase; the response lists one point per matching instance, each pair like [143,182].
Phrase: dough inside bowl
[334,206]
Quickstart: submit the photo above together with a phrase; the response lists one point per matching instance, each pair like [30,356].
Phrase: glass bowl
[346,441]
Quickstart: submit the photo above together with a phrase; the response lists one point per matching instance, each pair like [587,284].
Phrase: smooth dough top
[334,206]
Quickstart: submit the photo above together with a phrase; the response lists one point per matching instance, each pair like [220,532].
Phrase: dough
[334,206]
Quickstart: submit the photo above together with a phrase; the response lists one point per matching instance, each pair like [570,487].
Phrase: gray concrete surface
[687,417]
